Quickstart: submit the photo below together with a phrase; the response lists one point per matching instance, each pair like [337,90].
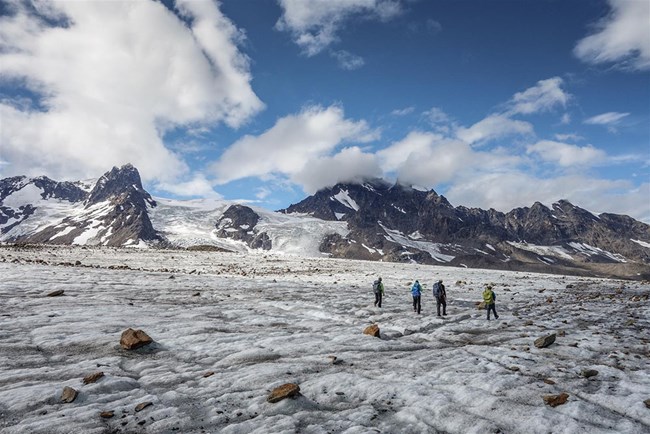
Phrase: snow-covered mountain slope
[199,223]
[228,328]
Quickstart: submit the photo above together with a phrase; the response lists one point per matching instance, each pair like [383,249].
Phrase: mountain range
[372,220]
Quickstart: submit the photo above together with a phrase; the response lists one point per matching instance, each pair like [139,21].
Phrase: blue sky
[491,103]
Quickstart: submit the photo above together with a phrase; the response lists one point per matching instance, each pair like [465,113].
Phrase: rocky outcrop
[239,223]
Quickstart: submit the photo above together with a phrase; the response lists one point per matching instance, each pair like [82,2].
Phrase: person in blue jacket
[416,292]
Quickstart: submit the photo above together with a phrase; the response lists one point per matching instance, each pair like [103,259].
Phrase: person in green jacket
[489,297]
[378,289]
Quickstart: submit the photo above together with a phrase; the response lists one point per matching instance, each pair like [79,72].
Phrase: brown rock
[561,333]
[549,381]
[528,323]
[93,377]
[143,405]
[69,394]
[133,339]
[480,305]
[588,373]
[56,293]
[545,341]
[514,368]
[208,374]
[372,330]
[647,403]
[335,360]
[288,390]
[555,400]
[107,414]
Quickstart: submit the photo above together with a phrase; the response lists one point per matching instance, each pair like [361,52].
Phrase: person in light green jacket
[489,297]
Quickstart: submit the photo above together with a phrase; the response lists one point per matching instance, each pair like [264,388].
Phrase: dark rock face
[238,222]
[120,182]
[399,223]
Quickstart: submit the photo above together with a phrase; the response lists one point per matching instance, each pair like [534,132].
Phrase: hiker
[441,297]
[489,298]
[416,292]
[378,289]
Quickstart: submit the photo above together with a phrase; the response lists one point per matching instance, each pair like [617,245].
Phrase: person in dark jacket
[441,297]
[416,292]
[378,289]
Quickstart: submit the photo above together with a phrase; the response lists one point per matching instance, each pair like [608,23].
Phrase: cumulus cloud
[290,144]
[623,37]
[544,96]
[349,165]
[493,127]
[427,159]
[609,119]
[415,143]
[567,155]
[111,78]
[314,24]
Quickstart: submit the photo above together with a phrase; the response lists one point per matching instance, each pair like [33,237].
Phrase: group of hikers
[439,293]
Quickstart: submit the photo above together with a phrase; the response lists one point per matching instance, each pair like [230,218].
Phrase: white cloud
[113,80]
[287,147]
[198,186]
[349,165]
[416,142]
[427,159]
[569,137]
[347,60]
[403,112]
[493,127]
[436,116]
[609,118]
[314,24]
[544,96]
[623,37]
[566,119]
[567,155]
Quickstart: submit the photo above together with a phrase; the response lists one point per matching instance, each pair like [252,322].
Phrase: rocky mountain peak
[120,182]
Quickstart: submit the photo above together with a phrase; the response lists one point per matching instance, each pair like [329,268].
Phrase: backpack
[436,289]
[488,296]
[376,286]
